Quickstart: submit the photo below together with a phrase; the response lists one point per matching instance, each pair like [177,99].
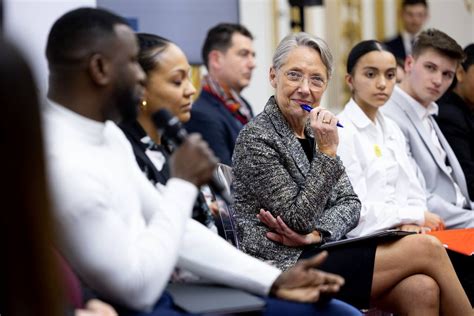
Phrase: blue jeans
[274,307]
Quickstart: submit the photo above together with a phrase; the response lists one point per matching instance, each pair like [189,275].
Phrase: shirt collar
[408,36]
[359,118]
[421,111]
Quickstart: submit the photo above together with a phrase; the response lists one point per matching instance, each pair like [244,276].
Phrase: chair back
[224,174]
[224,220]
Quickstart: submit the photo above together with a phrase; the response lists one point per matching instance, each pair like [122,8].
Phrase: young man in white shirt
[120,234]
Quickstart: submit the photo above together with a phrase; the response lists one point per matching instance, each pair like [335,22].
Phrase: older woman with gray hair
[285,162]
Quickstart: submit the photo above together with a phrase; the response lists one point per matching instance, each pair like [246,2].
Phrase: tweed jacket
[272,171]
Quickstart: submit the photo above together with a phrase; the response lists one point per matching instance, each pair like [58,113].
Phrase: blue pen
[309,108]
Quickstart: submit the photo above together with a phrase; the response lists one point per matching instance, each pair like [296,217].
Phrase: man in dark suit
[456,117]
[414,14]
[220,111]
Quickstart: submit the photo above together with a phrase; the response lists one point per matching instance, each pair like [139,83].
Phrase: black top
[308,147]
[456,121]
[141,143]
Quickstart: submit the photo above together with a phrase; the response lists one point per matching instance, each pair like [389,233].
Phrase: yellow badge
[378,151]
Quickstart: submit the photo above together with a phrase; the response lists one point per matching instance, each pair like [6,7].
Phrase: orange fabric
[459,240]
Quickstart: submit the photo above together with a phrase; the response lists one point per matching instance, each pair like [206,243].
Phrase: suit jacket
[272,171]
[395,45]
[216,124]
[434,174]
[456,121]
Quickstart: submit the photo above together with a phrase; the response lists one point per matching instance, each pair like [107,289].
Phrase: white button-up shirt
[377,164]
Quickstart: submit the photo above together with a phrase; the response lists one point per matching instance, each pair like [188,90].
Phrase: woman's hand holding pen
[308,108]
[324,127]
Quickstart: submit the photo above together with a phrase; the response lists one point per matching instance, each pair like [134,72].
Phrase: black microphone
[170,128]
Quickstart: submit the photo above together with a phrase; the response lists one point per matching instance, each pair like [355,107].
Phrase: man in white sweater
[123,237]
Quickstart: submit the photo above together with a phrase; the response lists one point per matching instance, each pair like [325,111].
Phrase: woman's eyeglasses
[296,78]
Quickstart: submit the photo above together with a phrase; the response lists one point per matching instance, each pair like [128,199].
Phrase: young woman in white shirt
[373,149]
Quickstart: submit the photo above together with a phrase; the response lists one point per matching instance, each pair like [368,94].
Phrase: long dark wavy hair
[28,275]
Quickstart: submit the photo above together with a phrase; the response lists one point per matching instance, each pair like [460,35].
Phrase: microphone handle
[216,186]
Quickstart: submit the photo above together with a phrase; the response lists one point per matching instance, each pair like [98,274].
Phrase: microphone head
[168,126]
[163,118]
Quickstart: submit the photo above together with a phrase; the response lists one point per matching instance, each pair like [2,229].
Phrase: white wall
[257,16]
[368,19]
[452,17]
[390,19]
[315,24]
[27,23]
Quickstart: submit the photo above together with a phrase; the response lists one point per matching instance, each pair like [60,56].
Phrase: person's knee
[426,246]
[424,292]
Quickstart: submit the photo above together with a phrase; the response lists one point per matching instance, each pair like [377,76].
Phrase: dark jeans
[274,307]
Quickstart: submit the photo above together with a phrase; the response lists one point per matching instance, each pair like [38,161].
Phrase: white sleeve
[123,259]
[211,257]
[416,198]
[205,253]
[375,215]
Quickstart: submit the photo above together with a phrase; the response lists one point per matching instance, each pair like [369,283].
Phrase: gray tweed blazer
[272,171]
